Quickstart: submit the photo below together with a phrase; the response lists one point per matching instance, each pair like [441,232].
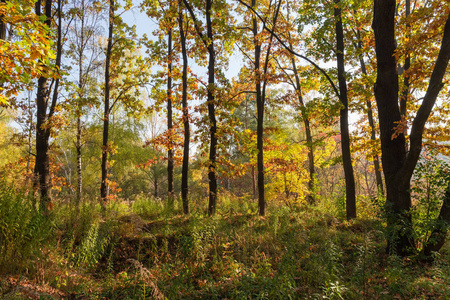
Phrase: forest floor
[142,251]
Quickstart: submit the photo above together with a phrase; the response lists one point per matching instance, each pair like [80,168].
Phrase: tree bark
[78,144]
[169,123]
[42,165]
[211,114]
[107,111]
[2,25]
[43,93]
[345,135]
[398,201]
[185,166]
[259,118]
[78,147]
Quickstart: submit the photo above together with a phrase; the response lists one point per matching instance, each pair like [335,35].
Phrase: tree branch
[336,91]
[428,102]
[199,32]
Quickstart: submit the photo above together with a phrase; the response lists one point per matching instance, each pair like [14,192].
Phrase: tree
[165,14]
[84,52]
[186,141]
[2,22]
[46,106]
[362,38]
[398,165]
[169,119]
[260,74]
[107,108]
[26,42]
[125,72]
[307,124]
[291,70]
[350,186]
[345,134]
[208,42]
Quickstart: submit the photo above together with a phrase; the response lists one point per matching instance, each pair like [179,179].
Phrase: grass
[140,250]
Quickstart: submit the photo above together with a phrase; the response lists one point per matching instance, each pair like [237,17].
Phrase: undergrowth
[140,250]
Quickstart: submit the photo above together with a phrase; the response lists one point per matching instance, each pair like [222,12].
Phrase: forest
[224,149]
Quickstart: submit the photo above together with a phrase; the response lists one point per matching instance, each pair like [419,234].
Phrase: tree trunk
[253,175]
[30,141]
[42,173]
[345,135]
[399,167]
[78,144]
[169,123]
[254,183]
[78,147]
[2,25]
[259,118]
[42,166]
[105,148]
[376,162]
[209,44]
[211,114]
[185,166]
[437,237]
[155,184]
[260,102]
[398,201]
[309,139]
[405,89]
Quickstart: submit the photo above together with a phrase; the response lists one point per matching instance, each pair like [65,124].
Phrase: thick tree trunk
[211,114]
[42,166]
[398,201]
[437,238]
[399,167]
[169,123]
[345,135]
[42,173]
[185,166]
[107,111]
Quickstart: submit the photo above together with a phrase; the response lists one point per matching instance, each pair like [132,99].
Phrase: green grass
[142,251]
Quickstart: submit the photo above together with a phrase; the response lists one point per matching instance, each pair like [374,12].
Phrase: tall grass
[23,230]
